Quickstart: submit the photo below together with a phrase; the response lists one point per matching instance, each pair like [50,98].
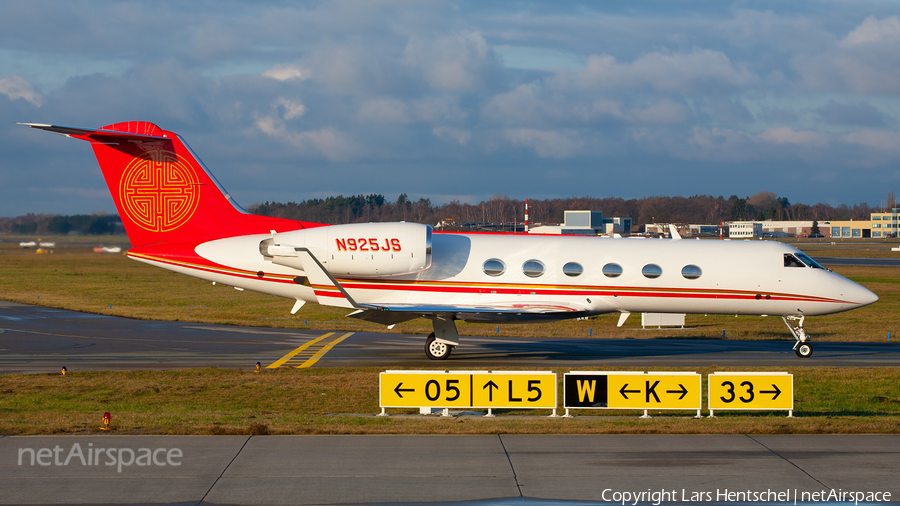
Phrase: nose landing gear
[802,347]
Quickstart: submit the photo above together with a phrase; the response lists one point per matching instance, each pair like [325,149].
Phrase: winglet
[323,283]
[674,232]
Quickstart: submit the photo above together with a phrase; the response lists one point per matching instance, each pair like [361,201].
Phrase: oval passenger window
[494,267]
[533,268]
[651,271]
[573,269]
[612,270]
[691,272]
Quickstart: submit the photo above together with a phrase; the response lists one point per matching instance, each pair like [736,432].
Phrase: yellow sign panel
[751,390]
[653,391]
[512,390]
[467,389]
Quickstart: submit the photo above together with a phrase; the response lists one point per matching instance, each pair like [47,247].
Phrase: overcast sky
[286,101]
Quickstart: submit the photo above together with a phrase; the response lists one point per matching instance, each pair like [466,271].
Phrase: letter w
[586,389]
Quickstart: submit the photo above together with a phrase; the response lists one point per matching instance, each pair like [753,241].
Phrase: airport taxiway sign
[467,389]
[751,390]
[631,390]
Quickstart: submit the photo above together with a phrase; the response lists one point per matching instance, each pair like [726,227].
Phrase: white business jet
[180,218]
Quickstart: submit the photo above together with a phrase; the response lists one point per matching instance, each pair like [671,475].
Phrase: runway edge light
[107,418]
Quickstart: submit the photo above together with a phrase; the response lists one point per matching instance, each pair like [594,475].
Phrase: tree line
[699,209]
[54,224]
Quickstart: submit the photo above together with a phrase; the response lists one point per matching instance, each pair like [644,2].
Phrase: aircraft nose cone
[862,296]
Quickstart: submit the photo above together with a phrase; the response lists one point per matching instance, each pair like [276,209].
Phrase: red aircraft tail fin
[163,192]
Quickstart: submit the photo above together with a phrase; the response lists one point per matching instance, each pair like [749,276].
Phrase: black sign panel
[585,390]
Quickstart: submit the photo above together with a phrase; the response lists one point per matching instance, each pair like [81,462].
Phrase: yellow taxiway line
[278,363]
[315,358]
[309,352]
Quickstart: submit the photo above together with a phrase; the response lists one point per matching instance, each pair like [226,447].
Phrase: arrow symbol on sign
[683,391]
[398,390]
[777,391]
[623,391]
[490,386]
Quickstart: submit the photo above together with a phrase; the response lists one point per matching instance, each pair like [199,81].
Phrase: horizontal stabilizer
[98,134]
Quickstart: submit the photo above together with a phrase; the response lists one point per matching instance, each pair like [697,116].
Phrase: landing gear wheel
[804,350]
[436,350]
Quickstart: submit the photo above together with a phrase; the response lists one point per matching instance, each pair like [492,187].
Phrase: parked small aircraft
[178,217]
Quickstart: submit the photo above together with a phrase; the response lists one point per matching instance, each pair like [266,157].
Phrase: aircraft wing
[493,313]
[326,286]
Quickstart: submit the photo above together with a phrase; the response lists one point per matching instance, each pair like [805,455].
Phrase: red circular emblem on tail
[159,191]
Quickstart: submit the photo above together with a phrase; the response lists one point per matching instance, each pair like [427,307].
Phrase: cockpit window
[809,261]
[792,261]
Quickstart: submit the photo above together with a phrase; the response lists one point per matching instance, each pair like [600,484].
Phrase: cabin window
[612,270]
[691,272]
[494,267]
[533,268]
[573,269]
[809,261]
[651,271]
[792,261]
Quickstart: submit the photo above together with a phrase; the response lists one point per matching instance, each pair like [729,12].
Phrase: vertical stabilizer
[163,192]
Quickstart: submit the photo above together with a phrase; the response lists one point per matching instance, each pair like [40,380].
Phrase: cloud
[787,135]
[872,30]
[865,62]
[441,108]
[663,112]
[881,140]
[861,114]
[532,104]
[459,135]
[286,73]
[546,143]
[695,72]
[330,142]
[353,88]
[291,108]
[456,63]
[384,110]
[16,87]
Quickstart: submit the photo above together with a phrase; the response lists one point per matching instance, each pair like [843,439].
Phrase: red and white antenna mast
[526,215]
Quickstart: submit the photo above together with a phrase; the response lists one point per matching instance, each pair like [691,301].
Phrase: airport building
[744,229]
[852,229]
[878,226]
[772,228]
[586,223]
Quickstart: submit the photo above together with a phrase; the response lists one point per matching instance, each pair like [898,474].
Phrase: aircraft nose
[861,295]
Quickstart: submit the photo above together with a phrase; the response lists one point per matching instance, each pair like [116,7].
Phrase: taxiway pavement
[40,339]
[504,469]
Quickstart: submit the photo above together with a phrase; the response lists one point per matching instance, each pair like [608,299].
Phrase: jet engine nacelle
[358,249]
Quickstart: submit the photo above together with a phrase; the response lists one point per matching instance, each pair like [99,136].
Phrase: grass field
[310,401]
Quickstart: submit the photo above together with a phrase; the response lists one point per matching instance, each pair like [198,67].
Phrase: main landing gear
[442,341]
[795,324]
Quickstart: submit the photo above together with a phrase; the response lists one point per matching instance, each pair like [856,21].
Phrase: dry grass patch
[310,401]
